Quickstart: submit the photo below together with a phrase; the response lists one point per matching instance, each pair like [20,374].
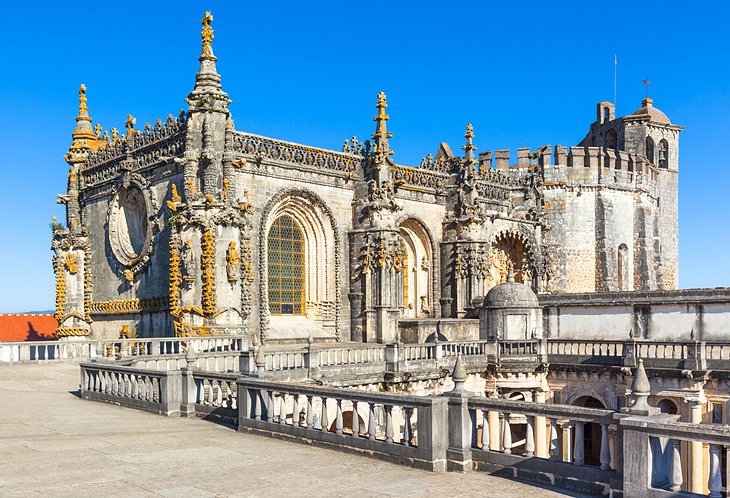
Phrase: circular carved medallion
[129,225]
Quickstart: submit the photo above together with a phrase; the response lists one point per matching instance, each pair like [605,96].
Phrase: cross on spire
[207,34]
[129,124]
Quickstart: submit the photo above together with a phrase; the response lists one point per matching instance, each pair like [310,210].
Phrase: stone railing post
[636,462]
[313,360]
[171,389]
[696,356]
[438,350]
[392,358]
[246,363]
[631,354]
[189,391]
[432,433]
[458,454]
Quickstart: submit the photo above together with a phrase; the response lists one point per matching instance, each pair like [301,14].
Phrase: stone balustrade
[352,355]
[596,451]
[538,438]
[40,351]
[408,429]
[665,457]
[149,390]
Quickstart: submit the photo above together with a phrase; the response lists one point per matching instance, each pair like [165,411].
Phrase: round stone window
[128,225]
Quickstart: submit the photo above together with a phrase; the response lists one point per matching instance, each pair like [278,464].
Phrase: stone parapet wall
[682,315]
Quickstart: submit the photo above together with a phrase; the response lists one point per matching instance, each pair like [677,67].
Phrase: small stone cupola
[510,312]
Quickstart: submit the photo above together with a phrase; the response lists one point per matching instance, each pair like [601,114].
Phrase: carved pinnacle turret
[208,94]
[469,147]
[381,134]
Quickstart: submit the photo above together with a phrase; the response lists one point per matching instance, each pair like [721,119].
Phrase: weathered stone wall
[693,314]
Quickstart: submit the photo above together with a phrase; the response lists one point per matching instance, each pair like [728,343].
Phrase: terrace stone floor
[54,444]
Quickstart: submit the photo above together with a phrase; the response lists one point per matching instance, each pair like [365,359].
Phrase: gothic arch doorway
[509,249]
[417,277]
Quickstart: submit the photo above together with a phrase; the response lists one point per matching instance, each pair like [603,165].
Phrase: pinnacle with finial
[459,376]
[510,273]
[83,121]
[381,134]
[469,147]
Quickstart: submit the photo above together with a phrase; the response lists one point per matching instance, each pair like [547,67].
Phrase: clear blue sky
[525,74]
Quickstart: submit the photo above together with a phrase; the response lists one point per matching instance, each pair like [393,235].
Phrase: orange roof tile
[27,327]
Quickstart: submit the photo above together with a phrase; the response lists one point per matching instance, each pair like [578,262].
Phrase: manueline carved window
[286,268]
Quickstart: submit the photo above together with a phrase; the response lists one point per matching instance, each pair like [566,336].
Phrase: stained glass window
[286,268]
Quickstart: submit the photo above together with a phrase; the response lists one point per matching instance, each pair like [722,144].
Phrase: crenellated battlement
[577,164]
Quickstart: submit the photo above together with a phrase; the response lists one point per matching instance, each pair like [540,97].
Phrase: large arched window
[650,149]
[286,265]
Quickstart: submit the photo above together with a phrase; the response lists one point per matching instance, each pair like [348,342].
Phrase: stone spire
[382,134]
[208,94]
[469,147]
[83,134]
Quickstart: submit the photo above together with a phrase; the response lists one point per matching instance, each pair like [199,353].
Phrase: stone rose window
[128,225]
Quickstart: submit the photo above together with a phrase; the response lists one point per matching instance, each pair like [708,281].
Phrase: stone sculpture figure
[188,262]
[232,259]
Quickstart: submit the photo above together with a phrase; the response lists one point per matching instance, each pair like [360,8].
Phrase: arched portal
[507,250]
[417,277]
[591,432]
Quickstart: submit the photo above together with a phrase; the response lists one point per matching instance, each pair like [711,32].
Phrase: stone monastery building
[189,226]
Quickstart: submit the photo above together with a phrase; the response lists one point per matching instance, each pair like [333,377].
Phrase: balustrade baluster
[485,430]
[407,433]
[338,417]
[675,467]
[554,446]
[258,400]
[282,408]
[506,435]
[219,394]
[371,421]
[605,456]
[324,421]
[714,483]
[270,408]
[388,423]
[529,437]
[578,453]
[295,410]
[355,420]
[309,412]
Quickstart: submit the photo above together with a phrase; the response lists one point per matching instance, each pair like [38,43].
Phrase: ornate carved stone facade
[169,226]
